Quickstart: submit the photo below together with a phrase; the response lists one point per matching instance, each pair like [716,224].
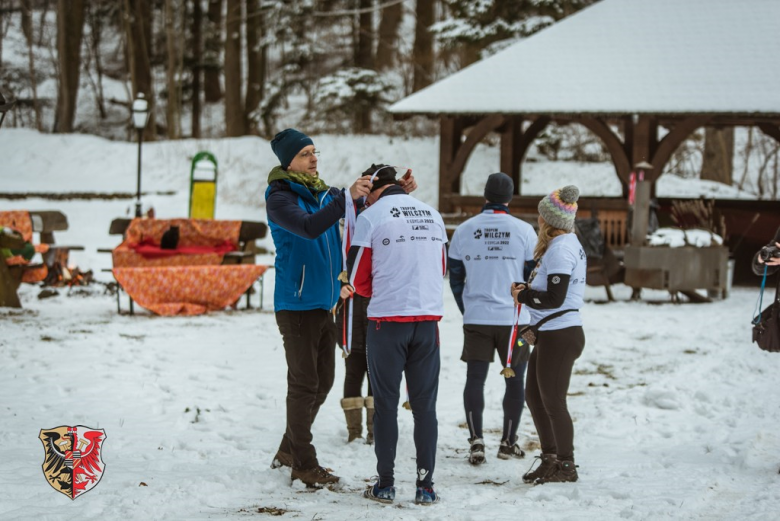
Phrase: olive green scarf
[312,182]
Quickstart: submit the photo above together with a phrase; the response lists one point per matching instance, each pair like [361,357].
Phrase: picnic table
[17,268]
[211,266]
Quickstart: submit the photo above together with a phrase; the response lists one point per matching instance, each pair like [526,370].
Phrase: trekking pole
[508,372]
[350,216]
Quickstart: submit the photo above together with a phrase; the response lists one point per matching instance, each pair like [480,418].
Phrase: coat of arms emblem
[73,464]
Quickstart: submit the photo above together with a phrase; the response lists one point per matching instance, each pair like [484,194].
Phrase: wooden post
[511,149]
[451,130]
[8,281]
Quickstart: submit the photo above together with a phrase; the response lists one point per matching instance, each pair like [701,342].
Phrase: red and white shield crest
[73,461]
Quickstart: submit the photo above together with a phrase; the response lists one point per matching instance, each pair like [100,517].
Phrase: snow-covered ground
[676,415]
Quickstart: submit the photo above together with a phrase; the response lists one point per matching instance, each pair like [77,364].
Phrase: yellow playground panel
[203,186]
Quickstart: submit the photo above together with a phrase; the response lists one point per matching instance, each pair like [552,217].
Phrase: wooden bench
[244,255]
[45,223]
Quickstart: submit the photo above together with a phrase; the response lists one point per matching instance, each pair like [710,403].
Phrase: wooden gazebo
[641,75]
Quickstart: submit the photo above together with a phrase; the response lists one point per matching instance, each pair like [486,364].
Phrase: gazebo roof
[627,57]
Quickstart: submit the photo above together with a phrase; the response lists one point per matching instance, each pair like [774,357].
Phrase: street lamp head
[140,112]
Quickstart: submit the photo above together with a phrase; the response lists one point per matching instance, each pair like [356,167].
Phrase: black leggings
[474,399]
[549,374]
[356,368]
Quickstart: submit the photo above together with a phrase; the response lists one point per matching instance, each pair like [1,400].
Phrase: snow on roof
[626,57]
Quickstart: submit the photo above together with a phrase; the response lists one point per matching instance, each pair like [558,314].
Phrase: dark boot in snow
[370,420]
[282,459]
[547,466]
[510,450]
[353,412]
[566,472]
[477,451]
[315,477]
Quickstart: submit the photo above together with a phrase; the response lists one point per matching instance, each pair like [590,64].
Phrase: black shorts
[481,342]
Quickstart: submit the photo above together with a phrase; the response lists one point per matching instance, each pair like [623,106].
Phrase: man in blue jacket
[304,214]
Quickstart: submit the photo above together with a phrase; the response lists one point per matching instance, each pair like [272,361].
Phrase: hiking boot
[315,477]
[565,472]
[383,494]
[509,451]
[425,496]
[477,451]
[353,412]
[282,459]
[547,466]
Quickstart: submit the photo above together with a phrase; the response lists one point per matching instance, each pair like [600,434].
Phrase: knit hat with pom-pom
[560,208]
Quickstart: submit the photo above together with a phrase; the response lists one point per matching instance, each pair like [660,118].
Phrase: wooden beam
[463,152]
[511,134]
[614,145]
[672,140]
[770,130]
[450,140]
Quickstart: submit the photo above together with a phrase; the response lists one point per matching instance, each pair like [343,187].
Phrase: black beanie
[499,188]
[287,143]
[385,175]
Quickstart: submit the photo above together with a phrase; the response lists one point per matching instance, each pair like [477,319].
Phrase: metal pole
[138,191]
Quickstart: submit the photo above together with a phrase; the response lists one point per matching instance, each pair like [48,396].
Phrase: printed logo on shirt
[468,257]
[582,254]
[73,461]
[556,279]
[385,241]
[411,211]
[400,239]
[478,233]
[477,258]
[419,227]
[395,212]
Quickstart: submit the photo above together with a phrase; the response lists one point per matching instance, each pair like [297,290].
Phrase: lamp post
[140,118]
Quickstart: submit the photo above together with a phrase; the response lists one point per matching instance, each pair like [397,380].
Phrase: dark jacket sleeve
[282,207]
[552,298]
[457,280]
[758,268]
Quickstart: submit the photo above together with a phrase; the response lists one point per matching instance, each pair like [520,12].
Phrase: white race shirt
[564,256]
[494,247]
[408,260]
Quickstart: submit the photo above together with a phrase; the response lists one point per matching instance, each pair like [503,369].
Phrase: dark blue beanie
[287,143]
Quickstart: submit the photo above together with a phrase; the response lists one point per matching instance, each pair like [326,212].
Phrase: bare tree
[234,113]
[138,15]
[173,103]
[27,29]
[386,50]
[211,57]
[422,52]
[256,52]
[718,159]
[197,64]
[364,58]
[70,29]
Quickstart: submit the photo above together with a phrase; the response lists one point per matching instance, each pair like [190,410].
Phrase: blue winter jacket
[305,230]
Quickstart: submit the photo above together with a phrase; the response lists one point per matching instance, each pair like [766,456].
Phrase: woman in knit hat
[554,295]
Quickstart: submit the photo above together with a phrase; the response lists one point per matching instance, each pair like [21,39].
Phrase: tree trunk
[422,52]
[364,59]
[234,114]
[211,57]
[27,29]
[197,64]
[386,50]
[173,105]
[718,158]
[138,55]
[70,29]
[256,63]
